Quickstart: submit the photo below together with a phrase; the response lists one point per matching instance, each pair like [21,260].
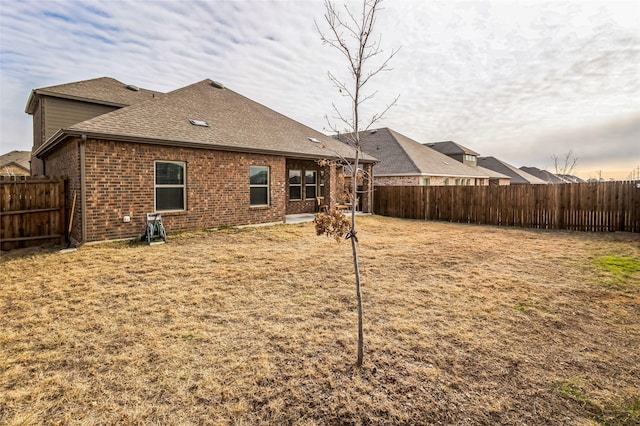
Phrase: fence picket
[600,207]
[32,210]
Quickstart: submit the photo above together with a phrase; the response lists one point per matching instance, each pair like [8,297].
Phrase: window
[310,184]
[259,185]
[445,182]
[425,181]
[295,184]
[322,183]
[170,185]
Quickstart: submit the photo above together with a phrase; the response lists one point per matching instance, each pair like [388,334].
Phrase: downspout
[83,189]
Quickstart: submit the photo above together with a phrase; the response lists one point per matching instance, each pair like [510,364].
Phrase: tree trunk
[354,249]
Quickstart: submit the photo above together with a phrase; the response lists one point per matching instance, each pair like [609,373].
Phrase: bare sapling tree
[351,34]
[566,164]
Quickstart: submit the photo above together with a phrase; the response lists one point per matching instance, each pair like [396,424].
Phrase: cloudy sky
[516,79]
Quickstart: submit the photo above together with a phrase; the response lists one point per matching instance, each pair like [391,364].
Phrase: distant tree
[566,164]
[352,36]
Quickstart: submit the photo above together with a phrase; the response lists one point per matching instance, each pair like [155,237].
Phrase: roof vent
[314,140]
[217,84]
[373,131]
[200,123]
[132,87]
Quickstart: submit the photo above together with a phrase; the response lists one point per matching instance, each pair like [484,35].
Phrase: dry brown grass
[463,325]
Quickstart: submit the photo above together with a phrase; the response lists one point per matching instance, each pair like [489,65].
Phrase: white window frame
[260,186]
[183,185]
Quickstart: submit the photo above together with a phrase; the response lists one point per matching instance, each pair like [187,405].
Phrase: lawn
[464,325]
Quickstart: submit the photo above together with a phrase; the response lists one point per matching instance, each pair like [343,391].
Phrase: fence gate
[32,211]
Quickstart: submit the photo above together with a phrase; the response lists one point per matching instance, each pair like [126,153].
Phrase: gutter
[59,136]
[429,174]
[36,92]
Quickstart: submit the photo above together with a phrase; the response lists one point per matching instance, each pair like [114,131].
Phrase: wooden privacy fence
[603,206]
[32,211]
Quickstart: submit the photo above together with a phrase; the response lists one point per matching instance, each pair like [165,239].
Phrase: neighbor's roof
[402,156]
[492,174]
[542,174]
[103,90]
[235,123]
[517,176]
[571,179]
[450,148]
[18,158]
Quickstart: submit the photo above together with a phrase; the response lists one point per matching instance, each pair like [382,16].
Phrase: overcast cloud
[519,80]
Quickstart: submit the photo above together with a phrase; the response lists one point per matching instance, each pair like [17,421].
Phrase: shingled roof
[18,158]
[542,174]
[450,148]
[103,90]
[233,123]
[517,176]
[400,155]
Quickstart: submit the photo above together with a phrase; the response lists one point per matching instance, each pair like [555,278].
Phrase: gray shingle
[400,155]
[451,148]
[517,176]
[235,123]
[20,158]
[542,174]
[103,90]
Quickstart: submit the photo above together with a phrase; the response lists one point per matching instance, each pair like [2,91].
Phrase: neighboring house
[57,107]
[470,158]
[15,163]
[571,179]
[203,156]
[518,177]
[543,174]
[405,162]
[456,151]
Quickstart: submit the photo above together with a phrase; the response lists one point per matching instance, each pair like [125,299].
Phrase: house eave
[62,134]
[429,174]
[31,102]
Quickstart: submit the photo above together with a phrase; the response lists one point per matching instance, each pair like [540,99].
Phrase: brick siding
[65,161]
[120,182]
[305,205]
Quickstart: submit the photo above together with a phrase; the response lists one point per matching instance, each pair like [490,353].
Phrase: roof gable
[400,155]
[103,90]
[19,158]
[517,176]
[542,174]
[235,123]
[451,148]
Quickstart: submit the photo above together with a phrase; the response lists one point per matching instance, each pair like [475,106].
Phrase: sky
[521,80]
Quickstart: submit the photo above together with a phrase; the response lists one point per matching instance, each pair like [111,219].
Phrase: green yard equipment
[155,229]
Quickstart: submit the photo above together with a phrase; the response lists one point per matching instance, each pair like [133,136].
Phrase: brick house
[518,177]
[203,156]
[15,163]
[405,162]
[57,107]
[469,157]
